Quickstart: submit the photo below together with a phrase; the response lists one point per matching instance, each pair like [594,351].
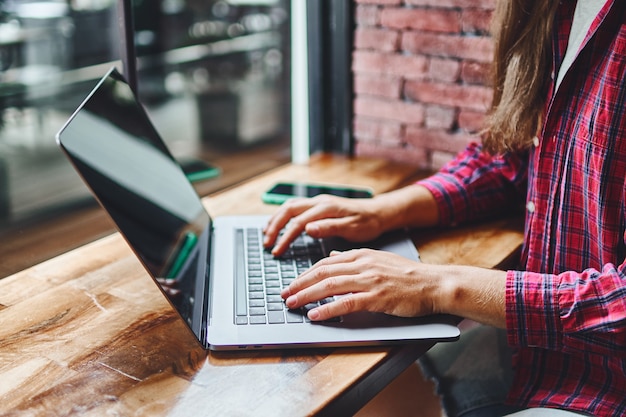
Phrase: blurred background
[213,75]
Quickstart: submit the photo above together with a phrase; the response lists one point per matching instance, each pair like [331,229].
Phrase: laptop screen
[120,156]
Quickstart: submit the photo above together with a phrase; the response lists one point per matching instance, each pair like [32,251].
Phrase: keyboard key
[272,283]
[275,307]
[294,316]
[257,320]
[274,299]
[257,311]
[275,317]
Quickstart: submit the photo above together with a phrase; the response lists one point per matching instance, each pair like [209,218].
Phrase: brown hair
[522,32]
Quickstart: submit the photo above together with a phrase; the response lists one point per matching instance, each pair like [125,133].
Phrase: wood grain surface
[87,333]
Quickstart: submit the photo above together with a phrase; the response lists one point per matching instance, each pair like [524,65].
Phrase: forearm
[411,206]
[475,293]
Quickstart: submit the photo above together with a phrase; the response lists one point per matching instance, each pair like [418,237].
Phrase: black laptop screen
[120,156]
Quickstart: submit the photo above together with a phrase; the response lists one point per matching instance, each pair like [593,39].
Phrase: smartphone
[281,192]
[198,170]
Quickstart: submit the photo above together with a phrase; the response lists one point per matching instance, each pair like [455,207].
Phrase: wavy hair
[522,31]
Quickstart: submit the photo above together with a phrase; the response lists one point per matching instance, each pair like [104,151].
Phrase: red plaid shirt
[566,311]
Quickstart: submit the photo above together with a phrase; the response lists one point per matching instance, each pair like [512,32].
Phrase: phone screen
[283,191]
[198,170]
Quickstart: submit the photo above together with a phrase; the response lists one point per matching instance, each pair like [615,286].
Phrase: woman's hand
[377,281]
[368,280]
[322,216]
[358,220]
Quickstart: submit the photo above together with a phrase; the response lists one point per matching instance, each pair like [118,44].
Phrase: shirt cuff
[532,310]
[437,188]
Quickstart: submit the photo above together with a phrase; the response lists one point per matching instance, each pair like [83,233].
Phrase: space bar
[241,295]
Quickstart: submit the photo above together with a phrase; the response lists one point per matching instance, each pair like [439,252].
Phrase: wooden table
[87,333]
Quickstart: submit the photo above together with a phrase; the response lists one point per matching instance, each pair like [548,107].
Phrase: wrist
[387,212]
[411,206]
[474,293]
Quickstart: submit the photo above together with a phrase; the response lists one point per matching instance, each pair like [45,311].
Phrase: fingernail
[291,301]
[314,314]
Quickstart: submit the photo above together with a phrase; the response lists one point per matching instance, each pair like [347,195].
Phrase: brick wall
[421,69]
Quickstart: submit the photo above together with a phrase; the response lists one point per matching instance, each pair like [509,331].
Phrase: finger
[290,234]
[339,227]
[295,212]
[279,220]
[329,287]
[327,278]
[313,275]
[307,220]
[340,307]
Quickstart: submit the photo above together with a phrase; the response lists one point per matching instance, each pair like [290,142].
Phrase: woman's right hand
[323,216]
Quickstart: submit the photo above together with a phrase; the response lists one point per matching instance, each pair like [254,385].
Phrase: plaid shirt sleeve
[476,185]
[570,312]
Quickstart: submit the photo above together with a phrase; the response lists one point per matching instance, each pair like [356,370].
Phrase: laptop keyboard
[260,277]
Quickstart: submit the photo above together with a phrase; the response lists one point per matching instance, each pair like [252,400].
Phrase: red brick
[463,4]
[377,130]
[383,86]
[389,64]
[366,15]
[437,117]
[453,46]
[463,96]
[379,39]
[444,69]
[422,96]
[476,20]
[430,20]
[471,121]
[391,110]
[476,72]
[435,139]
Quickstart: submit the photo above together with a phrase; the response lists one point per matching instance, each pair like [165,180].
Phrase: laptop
[226,293]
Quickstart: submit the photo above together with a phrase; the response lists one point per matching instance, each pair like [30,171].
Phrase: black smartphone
[198,170]
[282,191]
